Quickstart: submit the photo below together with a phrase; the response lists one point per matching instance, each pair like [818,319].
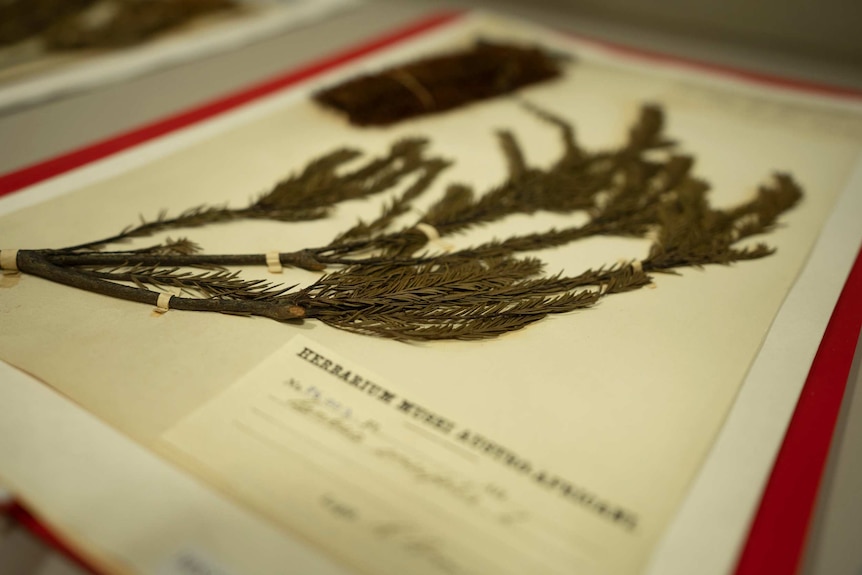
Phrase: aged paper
[320,444]
[581,433]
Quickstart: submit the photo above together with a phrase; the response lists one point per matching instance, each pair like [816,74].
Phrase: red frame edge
[35,173]
[40,531]
[777,537]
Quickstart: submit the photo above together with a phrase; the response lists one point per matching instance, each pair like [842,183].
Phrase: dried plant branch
[309,195]
[378,282]
[35,263]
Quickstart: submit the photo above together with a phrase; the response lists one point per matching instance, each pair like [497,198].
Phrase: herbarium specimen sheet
[402,439]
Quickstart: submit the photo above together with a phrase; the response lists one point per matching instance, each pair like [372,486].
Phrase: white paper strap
[163,304]
[273,263]
[430,231]
[433,236]
[9,260]
[636,265]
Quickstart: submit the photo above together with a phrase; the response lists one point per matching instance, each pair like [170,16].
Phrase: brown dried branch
[377,285]
[309,195]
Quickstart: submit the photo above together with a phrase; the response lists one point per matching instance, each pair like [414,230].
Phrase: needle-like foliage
[388,282]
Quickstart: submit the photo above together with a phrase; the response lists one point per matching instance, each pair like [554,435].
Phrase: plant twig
[380,282]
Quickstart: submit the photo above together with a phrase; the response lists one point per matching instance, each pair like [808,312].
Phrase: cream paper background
[624,399]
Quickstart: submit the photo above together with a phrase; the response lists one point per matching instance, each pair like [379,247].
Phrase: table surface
[45,130]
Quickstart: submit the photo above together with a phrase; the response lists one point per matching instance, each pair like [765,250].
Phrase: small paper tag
[273,263]
[9,261]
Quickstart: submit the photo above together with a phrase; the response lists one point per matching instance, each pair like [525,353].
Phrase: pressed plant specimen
[379,278]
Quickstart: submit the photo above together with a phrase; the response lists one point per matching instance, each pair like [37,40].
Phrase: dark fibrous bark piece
[439,83]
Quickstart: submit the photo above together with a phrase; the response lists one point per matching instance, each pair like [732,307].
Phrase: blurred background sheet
[28,77]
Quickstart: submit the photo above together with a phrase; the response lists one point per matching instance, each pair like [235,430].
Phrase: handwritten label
[325,447]
[466,437]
